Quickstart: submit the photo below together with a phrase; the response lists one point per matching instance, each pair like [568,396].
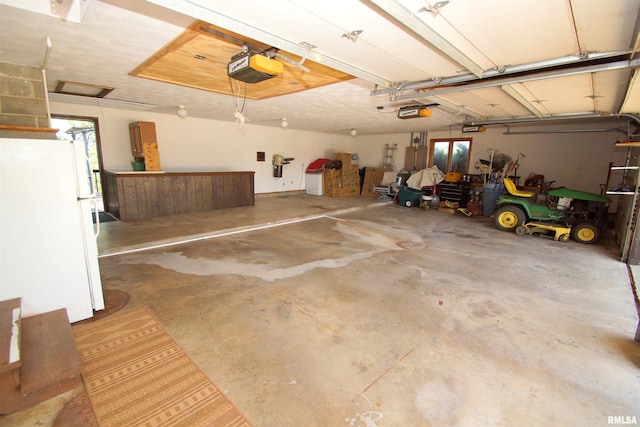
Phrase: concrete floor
[314,311]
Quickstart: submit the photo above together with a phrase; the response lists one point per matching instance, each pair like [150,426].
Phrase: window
[450,155]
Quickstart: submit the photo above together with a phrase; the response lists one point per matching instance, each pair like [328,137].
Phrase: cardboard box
[346,159]
[350,191]
[372,176]
[332,174]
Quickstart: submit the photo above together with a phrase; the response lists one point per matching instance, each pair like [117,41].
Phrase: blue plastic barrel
[490,194]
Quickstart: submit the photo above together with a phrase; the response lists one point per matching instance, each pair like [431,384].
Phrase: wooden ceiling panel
[198,58]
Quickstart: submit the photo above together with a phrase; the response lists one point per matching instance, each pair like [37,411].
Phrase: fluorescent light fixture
[99,102]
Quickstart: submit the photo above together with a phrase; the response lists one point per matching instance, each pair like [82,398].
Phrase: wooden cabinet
[144,144]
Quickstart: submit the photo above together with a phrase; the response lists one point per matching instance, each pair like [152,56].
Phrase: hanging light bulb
[354,132]
[284,123]
[181,111]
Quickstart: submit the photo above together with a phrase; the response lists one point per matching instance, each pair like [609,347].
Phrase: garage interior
[353,311]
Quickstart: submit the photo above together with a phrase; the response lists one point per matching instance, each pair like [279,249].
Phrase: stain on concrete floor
[478,328]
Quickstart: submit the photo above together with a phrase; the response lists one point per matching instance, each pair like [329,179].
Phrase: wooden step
[9,334]
[50,362]
[49,352]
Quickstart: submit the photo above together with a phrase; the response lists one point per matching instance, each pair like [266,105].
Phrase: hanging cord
[239,113]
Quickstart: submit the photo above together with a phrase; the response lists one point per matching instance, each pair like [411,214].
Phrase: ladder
[388,160]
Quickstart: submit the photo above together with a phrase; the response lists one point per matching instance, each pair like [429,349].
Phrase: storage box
[453,176]
[346,159]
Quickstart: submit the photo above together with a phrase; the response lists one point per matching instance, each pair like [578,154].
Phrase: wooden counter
[135,195]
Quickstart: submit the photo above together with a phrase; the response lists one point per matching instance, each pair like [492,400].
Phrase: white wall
[192,144]
[575,160]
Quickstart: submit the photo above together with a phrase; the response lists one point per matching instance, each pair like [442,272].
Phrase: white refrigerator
[48,248]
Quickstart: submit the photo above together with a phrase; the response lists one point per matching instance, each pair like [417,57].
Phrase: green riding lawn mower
[562,214]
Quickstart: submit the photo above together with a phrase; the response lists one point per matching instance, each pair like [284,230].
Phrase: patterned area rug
[136,375]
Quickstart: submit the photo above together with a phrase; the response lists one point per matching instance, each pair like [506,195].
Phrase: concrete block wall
[22,96]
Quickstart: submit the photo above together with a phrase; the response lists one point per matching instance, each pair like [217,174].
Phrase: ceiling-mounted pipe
[535,132]
[527,119]
[504,71]
[633,117]
[618,65]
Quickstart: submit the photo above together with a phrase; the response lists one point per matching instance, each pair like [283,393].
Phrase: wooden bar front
[136,195]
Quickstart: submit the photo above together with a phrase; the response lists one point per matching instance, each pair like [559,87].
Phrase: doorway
[85,129]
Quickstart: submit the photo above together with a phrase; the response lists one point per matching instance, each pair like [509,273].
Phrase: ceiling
[199,58]
[490,61]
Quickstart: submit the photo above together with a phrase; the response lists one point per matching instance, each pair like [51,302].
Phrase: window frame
[451,142]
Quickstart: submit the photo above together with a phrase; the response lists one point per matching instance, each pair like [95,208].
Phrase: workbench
[135,195]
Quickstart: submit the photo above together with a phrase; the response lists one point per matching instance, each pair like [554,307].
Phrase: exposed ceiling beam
[407,19]
[483,84]
[212,17]
[521,99]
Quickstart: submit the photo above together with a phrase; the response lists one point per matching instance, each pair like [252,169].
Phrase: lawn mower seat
[513,190]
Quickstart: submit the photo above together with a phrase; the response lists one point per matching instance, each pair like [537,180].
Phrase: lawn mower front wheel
[585,232]
[508,217]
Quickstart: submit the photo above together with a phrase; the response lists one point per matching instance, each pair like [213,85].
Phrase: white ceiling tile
[631,103]
[509,32]
[594,35]
[489,102]
[564,94]
[610,88]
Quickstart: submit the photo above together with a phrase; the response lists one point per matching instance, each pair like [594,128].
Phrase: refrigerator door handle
[96,215]
[94,202]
